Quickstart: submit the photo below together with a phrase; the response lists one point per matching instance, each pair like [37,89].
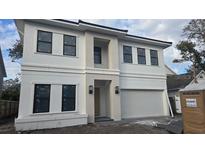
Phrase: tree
[11,90]
[193,47]
[16,52]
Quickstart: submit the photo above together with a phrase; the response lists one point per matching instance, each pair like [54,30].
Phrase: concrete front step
[102,119]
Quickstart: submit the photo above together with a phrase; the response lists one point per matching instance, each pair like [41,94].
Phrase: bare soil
[111,127]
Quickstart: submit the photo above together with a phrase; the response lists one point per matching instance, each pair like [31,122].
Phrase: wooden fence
[8,108]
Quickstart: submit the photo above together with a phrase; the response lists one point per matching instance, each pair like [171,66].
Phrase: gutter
[149,40]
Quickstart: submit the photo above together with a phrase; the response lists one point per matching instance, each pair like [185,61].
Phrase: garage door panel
[138,103]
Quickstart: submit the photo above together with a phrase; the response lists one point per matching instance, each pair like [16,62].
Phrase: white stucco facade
[135,81]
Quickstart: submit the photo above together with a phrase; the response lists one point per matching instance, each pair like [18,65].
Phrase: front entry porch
[102,100]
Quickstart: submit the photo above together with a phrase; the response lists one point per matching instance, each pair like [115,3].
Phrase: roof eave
[80,26]
[20,27]
[160,43]
[174,73]
[85,26]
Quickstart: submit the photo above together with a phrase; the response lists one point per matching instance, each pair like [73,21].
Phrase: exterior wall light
[117,90]
[90,89]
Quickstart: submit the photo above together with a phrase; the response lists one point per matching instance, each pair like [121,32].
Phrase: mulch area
[7,126]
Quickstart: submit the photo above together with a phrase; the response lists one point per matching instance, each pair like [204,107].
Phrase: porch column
[115,104]
[113,54]
[90,99]
[89,45]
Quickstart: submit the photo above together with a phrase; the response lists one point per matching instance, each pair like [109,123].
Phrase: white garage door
[138,103]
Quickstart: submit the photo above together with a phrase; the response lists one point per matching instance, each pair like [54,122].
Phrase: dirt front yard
[132,126]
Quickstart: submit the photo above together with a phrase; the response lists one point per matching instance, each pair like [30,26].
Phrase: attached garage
[141,103]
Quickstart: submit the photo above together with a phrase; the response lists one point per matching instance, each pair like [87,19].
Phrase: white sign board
[191,102]
[178,105]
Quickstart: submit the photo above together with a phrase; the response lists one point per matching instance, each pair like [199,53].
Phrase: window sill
[141,64]
[50,54]
[54,113]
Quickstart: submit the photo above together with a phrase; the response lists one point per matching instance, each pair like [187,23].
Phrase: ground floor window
[68,97]
[41,98]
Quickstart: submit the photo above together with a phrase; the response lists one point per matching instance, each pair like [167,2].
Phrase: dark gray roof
[177,82]
[2,64]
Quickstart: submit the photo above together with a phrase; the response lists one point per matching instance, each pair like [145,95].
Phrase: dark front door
[97,101]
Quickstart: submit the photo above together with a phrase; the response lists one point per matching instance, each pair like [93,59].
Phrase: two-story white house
[73,72]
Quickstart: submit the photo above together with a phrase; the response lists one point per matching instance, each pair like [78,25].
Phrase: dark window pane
[127,54]
[41,98]
[44,47]
[97,60]
[127,49]
[68,104]
[69,50]
[68,97]
[153,53]
[141,56]
[69,45]
[41,105]
[154,57]
[69,91]
[97,55]
[154,61]
[69,40]
[128,58]
[44,43]
[44,36]
[141,60]
[42,91]
[141,51]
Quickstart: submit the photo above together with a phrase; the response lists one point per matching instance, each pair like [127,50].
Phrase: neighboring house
[197,84]
[174,84]
[2,71]
[169,71]
[73,72]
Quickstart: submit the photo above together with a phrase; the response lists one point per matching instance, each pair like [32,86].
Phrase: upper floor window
[141,56]
[154,57]
[41,98]
[44,42]
[68,98]
[127,54]
[69,45]
[97,55]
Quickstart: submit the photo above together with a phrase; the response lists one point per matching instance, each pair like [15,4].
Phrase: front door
[97,101]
